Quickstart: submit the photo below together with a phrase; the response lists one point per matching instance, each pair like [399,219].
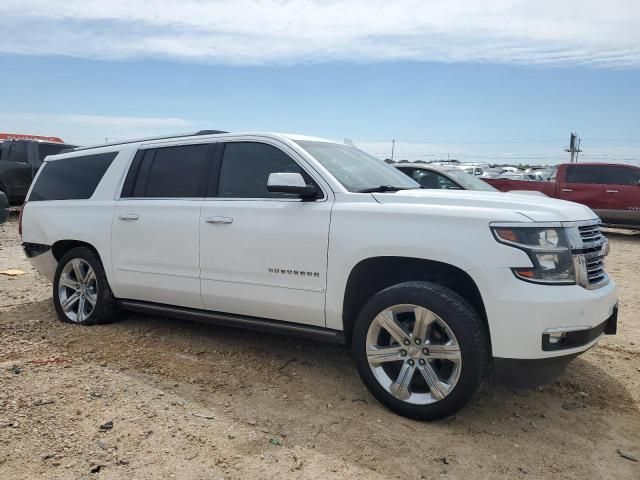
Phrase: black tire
[463,321]
[4,206]
[105,310]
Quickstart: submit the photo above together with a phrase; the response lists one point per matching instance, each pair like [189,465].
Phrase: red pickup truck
[611,190]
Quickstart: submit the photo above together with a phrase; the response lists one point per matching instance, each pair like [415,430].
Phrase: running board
[238,321]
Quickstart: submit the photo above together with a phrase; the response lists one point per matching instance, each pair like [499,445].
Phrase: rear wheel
[81,293]
[420,349]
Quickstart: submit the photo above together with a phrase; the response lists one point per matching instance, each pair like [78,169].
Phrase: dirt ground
[151,398]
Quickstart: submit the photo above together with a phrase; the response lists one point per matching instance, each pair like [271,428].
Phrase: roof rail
[146,139]
[209,132]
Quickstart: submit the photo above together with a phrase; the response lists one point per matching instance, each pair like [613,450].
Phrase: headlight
[548,249]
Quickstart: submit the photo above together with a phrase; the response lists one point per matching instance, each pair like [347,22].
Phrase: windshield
[470,182]
[355,169]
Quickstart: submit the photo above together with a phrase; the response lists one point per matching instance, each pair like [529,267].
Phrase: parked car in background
[491,172]
[611,190]
[521,176]
[4,207]
[442,177]
[293,234]
[472,170]
[543,175]
[19,162]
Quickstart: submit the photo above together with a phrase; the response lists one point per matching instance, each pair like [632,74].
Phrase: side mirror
[291,183]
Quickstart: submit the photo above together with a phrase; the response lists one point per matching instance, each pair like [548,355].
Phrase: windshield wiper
[383,188]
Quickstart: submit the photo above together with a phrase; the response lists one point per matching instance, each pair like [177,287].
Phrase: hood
[538,208]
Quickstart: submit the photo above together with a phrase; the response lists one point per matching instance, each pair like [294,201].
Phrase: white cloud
[569,32]
[92,129]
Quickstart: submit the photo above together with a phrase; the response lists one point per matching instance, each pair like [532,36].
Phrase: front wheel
[81,293]
[420,349]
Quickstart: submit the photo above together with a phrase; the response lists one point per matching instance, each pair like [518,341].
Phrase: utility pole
[574,147]
[393,147]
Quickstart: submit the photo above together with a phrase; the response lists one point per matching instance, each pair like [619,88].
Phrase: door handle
[128,217]
[566,190]
[219,220]
[612,191]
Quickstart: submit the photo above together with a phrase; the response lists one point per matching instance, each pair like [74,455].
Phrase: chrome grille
[591,234]
[593,250]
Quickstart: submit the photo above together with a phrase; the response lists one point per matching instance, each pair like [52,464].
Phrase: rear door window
[72,178]
[169,172]
[621,175]
[585,174]
[18,152]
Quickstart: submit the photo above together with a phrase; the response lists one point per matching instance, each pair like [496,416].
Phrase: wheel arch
[61,247]
[371,275]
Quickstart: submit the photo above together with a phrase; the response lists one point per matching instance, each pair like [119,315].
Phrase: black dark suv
[19,162]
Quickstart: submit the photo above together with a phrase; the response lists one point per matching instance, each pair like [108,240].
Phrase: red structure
[22,136]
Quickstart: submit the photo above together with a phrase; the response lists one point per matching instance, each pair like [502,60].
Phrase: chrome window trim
[167,143]
[187,199]
[261,199]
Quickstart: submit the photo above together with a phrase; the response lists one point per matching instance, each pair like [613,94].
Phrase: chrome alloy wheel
[77,290]
[413,354]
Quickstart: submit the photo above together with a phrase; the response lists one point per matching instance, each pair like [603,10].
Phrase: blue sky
[476,91]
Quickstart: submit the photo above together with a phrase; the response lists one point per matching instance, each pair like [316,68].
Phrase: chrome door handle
[566,190]
[128,217]
[612,191]
[219,220]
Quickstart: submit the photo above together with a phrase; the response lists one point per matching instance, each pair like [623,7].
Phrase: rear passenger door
[263,254]
[155,232]
[583,184]
[621,204]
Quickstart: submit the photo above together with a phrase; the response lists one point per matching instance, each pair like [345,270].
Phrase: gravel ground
[156,398]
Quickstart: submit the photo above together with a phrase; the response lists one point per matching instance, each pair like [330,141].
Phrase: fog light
[556,337]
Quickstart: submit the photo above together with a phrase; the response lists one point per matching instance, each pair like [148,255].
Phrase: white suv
[432,289]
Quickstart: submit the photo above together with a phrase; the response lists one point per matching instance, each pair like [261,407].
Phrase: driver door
[263,254]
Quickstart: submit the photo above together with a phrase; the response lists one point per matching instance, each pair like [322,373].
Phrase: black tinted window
[17,152]
[71,178]
[584,174]
[46,149]
[622,175]
[246,167]
[171,172]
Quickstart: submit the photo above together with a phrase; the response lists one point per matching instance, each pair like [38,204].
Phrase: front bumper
[519,313]
[527,373]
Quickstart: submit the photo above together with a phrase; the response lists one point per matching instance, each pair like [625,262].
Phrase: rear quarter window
[74,178]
